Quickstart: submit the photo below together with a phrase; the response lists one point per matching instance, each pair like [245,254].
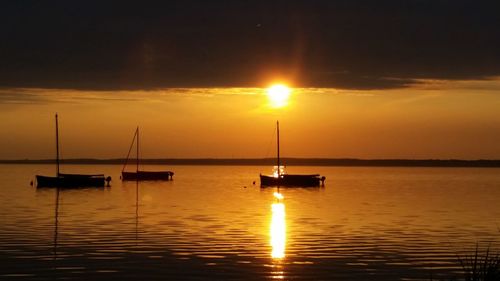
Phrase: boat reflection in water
[278,227]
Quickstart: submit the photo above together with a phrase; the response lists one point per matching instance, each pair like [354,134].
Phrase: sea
[217,223]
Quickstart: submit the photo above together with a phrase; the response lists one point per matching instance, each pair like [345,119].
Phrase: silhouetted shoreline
[271,161]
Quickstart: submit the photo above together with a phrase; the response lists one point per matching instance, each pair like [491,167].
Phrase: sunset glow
[173,130]
[434,122]
[278,95]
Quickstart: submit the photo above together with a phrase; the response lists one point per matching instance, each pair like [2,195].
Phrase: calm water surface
[211,222]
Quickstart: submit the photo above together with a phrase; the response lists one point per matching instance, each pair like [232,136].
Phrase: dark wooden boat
[69,180]
[290,180]
[147,175]
[280,178]
[139,175]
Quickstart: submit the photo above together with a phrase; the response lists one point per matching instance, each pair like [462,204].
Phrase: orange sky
[435,119]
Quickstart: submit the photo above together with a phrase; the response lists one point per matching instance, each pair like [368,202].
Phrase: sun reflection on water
[278,228]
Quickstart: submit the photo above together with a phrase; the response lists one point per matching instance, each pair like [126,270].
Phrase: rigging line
[129,150]
[270,143]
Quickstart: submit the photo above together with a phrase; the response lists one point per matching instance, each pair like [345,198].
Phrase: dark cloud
[346,44]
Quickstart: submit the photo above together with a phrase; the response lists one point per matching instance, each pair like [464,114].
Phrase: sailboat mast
[278,144]
[137,162]
[57,146]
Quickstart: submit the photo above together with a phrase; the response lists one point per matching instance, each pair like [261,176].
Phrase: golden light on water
[278,95]
[278,195]
[278,228]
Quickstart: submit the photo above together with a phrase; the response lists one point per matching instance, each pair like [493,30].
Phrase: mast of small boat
[57,146]
[278,144]
[136,135]
[137,162]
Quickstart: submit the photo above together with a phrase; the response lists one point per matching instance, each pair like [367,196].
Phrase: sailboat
[69,180]
[280,178]
[143,175]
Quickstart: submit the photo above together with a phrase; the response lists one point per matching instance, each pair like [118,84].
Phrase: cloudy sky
[341,44]
[425,73]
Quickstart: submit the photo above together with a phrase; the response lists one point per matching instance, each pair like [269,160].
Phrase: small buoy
[31,182]
[253,183]
[108,179]
[245,186]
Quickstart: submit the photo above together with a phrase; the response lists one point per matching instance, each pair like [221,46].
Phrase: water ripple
[367,224]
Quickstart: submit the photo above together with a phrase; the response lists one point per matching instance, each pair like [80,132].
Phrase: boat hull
[71,181]
[147,175]
[291,180]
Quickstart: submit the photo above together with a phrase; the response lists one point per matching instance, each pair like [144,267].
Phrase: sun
[278,95]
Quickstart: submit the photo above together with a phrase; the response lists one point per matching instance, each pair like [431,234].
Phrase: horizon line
[289,161]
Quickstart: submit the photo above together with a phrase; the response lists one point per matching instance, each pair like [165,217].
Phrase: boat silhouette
[142,175]
[281,178]
[69,180]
